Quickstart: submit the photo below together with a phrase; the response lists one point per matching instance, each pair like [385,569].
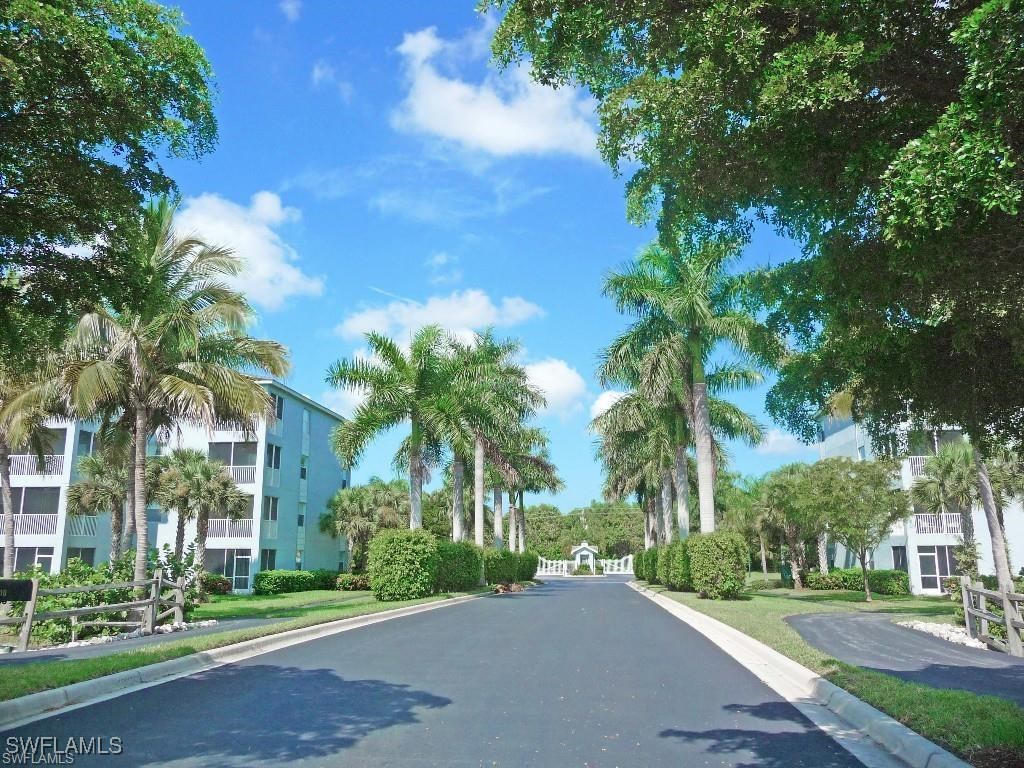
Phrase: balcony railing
[81,525]
[29,464]
[222,528]
[32,525]
[243,473]
[917,465]
[946,522]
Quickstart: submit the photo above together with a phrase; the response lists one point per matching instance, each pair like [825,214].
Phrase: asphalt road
[875,642]
[573,673]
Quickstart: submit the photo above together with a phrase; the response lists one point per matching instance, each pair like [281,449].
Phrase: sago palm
[177,346]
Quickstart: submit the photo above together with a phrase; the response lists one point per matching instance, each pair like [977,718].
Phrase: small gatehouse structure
[585,555]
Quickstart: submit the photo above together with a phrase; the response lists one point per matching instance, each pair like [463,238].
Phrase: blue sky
[377,173]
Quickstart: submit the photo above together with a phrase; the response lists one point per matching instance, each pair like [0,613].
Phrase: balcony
[81,525]
[223,528]
[243,473]
[947,522]
[32,525]
[29,464]
[917,465]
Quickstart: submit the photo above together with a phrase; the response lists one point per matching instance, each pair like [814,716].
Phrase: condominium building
[923,544]
[285,466]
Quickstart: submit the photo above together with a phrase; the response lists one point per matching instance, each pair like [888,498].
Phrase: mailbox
[15,590]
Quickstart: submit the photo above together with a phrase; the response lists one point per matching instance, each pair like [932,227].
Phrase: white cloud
[779,443]
[503,115]
[271,275]
[342,401]
[443,269]
[561,384]
[604,401]
[460,312]
[324,74]
[291,9]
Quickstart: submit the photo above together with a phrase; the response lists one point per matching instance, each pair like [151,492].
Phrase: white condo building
[286,466]
[923,543]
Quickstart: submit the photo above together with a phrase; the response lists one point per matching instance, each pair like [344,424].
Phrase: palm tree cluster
[168,346]
[467,405]
[686,309]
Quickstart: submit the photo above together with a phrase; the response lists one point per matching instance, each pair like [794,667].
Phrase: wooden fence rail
[979,618]
[148,608]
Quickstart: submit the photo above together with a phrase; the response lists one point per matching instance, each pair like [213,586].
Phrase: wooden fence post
[968,604]
[150,612]
[982,606]
[1011,615]
[30,611]
[179,601]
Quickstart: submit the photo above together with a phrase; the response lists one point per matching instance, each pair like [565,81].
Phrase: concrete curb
[801,687]
[35,706]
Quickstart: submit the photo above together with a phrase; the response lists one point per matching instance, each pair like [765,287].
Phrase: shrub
[638,566]
[403,564]
[678,572]
[500,566]
[528,563]
[582,570]
[881,581]
[351,582]
[651,565]
[215,584]
[324,578]
[718,564]
[459,567]
[889,582]
[278,581]
[664,562]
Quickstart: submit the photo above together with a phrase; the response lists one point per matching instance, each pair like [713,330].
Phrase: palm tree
[529,469]
[414,386]
[948,483]
[212,492]
[686,305]
[175,347]
[102,487]
[177,480]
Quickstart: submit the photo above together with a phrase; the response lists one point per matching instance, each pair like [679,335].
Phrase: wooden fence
[151,609]
[979,618]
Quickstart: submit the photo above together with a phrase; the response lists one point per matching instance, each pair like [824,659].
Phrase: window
[26,558]
[302,514]
[937,563]
[899,558]
[268,559]
[232,563]
[35,501]
[278,402]
[233,454]
[85,442]
[86,554]
[273,456]
[862,453]
[270,507]
[302,473]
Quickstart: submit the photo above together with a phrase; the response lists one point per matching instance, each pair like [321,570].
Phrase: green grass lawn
[288,605]
[970,725]
[305,608]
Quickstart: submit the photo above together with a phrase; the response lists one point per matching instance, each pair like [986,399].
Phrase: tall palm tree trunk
[179,535]
[666,503]
[650,521]
[705,451]
[513,522]
[8,508]
[823,553]
[415,479]
[522,523]
[659,518]
[478,492]
[129,516]
[988,503]
[116,531]
[139,470]
[764,555]
[458,480]
[681,479]
[499,525]
[202,526]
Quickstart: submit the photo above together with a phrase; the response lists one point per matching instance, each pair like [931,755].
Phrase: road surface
[572,673]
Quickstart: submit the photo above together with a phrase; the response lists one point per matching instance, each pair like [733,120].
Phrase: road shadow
[799,745]
[239,715]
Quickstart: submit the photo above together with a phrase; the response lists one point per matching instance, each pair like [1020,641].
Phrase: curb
[35,706]
[801,686]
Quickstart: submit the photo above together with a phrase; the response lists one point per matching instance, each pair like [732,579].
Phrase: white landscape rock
[948,632]
[163,629]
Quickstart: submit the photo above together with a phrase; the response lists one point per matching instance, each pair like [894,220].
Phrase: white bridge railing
[565,567]
[622,565]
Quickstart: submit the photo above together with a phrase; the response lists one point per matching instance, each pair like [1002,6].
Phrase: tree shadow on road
[239,715]
[798,745]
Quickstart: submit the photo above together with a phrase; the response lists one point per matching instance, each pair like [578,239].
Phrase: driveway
[875,642]
[572,673]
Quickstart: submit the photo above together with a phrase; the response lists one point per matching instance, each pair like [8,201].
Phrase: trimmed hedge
[651,565]
[460,566]
[500,566]
[351,582]
[664,563]
[403,564]
[718,564]
[215,584]
[277,581]
[638,566]
[881,581]
[528,564]
[677,555]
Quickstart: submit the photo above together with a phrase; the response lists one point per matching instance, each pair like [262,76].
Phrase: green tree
[687,306]
[357,513]
[863,500]
[102,486]
[792,507]
[91,93]
[177,349]
[212,493]
[949,483]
